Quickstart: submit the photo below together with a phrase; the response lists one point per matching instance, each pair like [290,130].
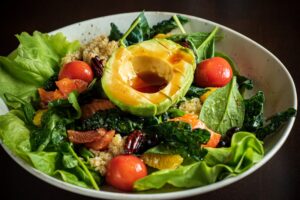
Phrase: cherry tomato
[77,70]
[213,72]
[124,170]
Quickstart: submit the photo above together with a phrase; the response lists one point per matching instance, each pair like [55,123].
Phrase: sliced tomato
[66,85]
[195,122]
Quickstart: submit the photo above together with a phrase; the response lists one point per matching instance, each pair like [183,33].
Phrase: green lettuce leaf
[36,59]
[14,133]
[220,163]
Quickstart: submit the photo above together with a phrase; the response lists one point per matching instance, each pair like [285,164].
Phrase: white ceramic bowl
[254,61]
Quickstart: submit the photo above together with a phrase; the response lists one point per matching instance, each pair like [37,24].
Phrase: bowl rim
[177,194]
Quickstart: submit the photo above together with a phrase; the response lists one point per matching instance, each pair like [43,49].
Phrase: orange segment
[162,161]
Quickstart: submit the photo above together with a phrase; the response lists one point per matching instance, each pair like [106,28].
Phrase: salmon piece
[97,104]
[103,142]
[66,85]
[82,137]
[195,122]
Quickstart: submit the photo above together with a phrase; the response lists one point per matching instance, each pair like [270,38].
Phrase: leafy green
[166,26]
[115,33]
[174,112]
[43,161]
[139,33]
[219,163]
[84,167]
[69,178]
[26,107]
[50,134]
[14,134]
[204,49]
[195,92]
[69,161]
[275,122]
[180,137]
[50,85]
[113,119]
[202,43]
[254,112]
[34,61]
[224,108]
[72,98]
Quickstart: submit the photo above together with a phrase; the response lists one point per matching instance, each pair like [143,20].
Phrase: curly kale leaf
[180,137]
[254,112]
[115,119]
[275,122]
[166,26]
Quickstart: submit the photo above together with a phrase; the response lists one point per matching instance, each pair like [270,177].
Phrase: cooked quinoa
[191,106]
[99,46]
[101,159]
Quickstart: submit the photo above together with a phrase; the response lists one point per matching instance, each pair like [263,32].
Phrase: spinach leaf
[205,49]
[115,33]
[83,166]
[203,44]
[43,161]
[275,122]
[51,133]
[85,153]
[254,112]
[195,92]
[224,108]
[180,137]
[69,178]
[139,31]
[166,26]
[69,161]
[70,102]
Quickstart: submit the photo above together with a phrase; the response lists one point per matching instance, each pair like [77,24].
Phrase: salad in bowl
[153,108]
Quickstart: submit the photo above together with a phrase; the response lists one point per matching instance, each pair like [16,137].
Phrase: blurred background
[273,24]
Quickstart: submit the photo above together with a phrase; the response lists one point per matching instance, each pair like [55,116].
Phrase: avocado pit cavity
[151,74]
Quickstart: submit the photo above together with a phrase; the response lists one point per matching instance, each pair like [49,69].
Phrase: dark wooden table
[274,24]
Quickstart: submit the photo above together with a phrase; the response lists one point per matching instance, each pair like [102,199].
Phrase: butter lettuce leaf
[14,134]
[219,163]
[36,59]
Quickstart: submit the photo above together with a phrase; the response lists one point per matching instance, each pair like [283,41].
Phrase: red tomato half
[124,170]
[77,70]
[213,72]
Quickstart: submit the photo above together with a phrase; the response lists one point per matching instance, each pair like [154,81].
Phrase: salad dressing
[148,82]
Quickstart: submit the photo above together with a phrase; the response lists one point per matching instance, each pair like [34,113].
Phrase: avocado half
[160,57]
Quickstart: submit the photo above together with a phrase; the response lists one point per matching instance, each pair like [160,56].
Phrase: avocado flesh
[162,57]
